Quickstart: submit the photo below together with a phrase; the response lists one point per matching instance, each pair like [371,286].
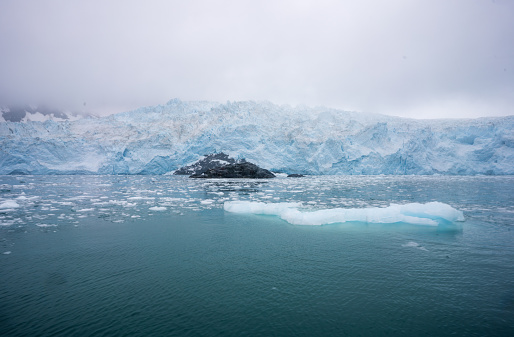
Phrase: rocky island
[210,161]
[220,165]
[237,170]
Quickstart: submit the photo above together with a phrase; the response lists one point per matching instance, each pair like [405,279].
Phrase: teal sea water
[159,256]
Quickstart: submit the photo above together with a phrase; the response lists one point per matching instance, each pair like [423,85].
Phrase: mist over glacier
[163,138]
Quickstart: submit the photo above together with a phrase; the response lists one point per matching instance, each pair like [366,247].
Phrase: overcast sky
[414,58]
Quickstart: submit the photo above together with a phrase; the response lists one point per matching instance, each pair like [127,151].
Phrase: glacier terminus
[161,139]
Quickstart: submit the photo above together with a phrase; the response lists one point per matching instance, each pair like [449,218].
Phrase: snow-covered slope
[161,139]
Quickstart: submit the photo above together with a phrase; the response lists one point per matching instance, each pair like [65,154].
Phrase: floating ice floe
[414,245]
[123,203]
[8,204]
[157,208]
[432,213]
[6,222]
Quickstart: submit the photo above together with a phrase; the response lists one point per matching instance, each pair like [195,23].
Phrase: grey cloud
[419,59]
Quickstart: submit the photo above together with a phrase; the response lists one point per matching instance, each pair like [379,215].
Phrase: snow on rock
[432,214]
[164,138]
[210,161]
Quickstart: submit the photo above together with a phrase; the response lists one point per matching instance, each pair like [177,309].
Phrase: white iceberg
[431,214]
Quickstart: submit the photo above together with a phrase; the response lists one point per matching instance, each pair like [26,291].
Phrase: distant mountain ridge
[32,113]
[161,139]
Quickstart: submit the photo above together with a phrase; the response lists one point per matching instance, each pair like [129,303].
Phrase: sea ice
[157,208]
[414,245]
[9,204]
[6,222]
[86,210]
[140,198]
[431,214]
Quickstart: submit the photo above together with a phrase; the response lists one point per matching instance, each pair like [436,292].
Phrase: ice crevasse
[319,141]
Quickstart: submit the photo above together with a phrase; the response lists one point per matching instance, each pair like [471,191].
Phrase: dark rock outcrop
[295,175]
[18,113]
[237,170]
[210,161]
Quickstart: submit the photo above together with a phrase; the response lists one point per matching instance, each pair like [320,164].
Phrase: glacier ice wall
[161,139]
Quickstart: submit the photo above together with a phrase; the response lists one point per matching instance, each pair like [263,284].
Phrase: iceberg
[431,214]
[284,139]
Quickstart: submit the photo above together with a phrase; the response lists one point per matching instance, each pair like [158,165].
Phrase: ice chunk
[157,208]
[431,214]
[414,245]
[86,210]
[6,222]
[9,204]
[123,203]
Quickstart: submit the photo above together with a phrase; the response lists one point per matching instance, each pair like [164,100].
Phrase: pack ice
[161,139]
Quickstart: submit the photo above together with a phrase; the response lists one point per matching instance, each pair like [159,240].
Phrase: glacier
[308,140]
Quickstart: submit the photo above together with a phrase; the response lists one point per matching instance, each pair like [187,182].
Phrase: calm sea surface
[158,256]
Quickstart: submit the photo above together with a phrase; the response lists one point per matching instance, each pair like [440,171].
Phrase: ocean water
[159,256]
